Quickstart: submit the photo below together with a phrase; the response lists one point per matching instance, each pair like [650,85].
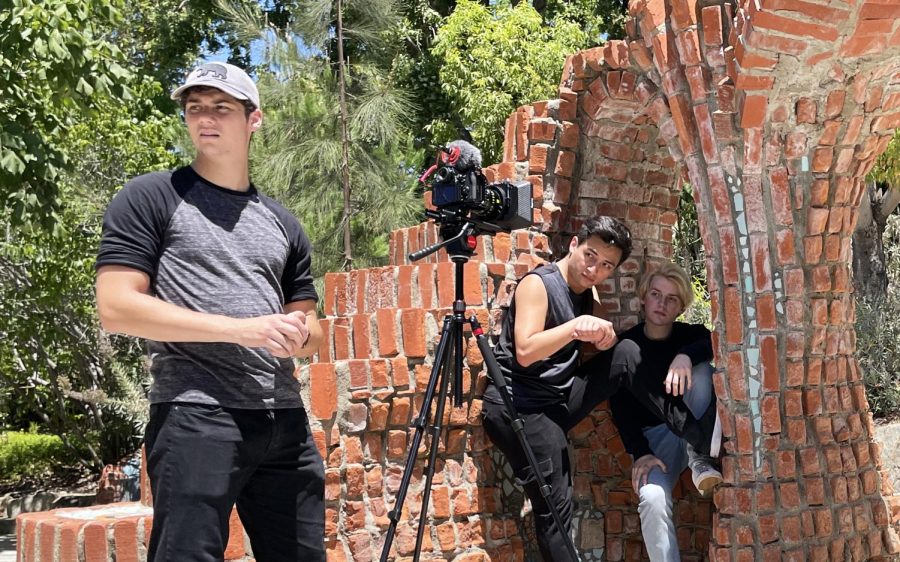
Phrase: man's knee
[699,396]
[626,352]
[703,370]
[655,502]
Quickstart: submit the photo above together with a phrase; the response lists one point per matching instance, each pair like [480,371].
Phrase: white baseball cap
[222,76]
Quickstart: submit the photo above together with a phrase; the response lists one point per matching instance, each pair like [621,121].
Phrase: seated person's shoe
[704,474]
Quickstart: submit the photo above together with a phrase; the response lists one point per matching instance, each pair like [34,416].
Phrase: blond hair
[674,273]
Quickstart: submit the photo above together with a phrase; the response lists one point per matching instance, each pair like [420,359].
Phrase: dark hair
[611,231]
[182,99]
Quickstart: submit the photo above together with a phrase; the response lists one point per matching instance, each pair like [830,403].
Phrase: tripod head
[458,233]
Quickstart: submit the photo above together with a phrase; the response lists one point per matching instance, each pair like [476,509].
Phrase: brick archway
[774,114]
[778,113]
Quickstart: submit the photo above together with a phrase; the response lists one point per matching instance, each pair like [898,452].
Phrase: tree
[880,199]
[57,368]
[163,38]
[417,66]
[494,59]
[54,63]
[347,174]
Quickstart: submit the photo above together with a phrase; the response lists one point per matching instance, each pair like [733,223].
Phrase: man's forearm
[145,316]
[543,344]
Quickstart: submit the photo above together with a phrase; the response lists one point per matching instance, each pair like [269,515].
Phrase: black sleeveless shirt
[545,382]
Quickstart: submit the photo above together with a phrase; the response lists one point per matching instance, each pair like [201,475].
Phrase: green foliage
[494,59]
[887,167]
[700,311]
[30,454]
[598,18]
[54,63]
[297,155]
[878,331]
[417,68]
[56,367]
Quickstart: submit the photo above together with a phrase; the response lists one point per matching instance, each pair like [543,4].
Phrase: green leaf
[11,163]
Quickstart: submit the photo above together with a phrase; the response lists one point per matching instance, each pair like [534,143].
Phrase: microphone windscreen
[469,156]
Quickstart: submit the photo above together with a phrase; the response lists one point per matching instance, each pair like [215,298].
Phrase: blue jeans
[203,459]
[655,507]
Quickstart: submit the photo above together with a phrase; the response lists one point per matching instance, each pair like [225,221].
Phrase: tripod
[448,363]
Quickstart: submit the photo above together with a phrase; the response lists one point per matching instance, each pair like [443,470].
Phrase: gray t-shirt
[214,250]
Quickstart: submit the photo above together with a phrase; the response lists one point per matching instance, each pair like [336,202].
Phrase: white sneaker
[705,475]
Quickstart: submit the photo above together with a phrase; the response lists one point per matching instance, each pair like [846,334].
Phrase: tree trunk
[345,142]
[870,279]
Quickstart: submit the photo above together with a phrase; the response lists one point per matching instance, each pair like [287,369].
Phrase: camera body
[503,205]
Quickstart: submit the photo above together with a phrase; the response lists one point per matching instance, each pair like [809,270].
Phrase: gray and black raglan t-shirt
[214,250]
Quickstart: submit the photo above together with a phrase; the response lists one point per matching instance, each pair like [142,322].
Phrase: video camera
[460,191]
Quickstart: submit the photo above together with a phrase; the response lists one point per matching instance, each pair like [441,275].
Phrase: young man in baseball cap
[216,276]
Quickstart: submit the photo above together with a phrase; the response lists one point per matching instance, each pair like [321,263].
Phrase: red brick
[537,159]
[762,267]
[808,9]
[362,346]
[806,110]
[385,319]
[794,27]
[859,45]
[753,111]
[412,322]
[235,547]
[781,196]
[570,135]
[749,59]
[750,82]
[834,105]
[544,130]
[771,416]
[682,117]
[822,159]
[341,332]
[323,390]
[774,43]
[96,546]
[565,163]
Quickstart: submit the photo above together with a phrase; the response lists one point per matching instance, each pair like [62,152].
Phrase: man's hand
[595,330]
[678,380]
[640,471]
[283,335]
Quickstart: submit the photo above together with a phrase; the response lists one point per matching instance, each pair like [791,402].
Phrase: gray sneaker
[704,474]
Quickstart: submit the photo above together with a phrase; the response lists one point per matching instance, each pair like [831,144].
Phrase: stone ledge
[97,534]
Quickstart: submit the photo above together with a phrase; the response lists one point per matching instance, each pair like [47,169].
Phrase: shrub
[31,455]
[878,331]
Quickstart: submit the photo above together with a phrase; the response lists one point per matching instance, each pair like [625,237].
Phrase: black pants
[202,460]
[545,430]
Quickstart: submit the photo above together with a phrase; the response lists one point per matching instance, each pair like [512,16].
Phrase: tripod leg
[419,424]
[518,426]
[455,336]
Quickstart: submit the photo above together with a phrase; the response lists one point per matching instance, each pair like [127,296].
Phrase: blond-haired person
[672,359]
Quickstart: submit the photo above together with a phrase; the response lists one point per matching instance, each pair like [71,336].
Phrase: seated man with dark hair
[551,316]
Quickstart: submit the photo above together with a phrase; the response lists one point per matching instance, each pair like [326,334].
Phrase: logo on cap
[217,70]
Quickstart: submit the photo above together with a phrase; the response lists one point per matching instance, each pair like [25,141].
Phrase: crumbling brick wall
[774,111]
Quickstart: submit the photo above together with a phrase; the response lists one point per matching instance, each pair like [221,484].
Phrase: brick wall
[774,111]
